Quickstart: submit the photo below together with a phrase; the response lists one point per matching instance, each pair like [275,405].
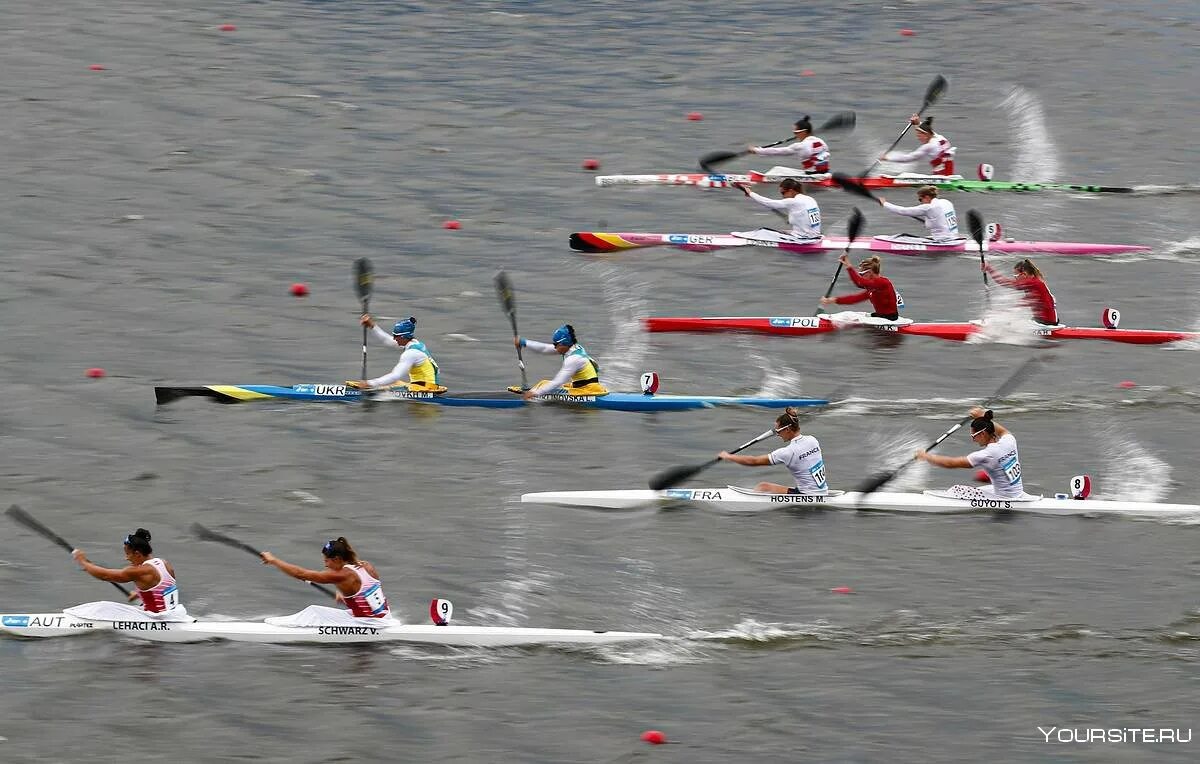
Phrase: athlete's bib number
[1012,471]
[171,597]
[952,221]
[818,474]
[375,599]
[814,217]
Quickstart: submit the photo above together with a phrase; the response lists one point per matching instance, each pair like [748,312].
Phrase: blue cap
[405,328]
[564,335]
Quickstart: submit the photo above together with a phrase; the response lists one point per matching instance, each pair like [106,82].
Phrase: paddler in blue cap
[416,366]
[579,375]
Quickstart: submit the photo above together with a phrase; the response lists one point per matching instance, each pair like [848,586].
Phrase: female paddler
[801,455]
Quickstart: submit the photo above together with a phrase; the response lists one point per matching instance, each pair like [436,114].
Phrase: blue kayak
[501,399]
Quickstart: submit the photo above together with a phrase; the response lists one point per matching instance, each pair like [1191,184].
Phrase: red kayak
[803,326]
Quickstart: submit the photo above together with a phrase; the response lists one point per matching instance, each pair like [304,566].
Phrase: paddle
[676,475]
[746,192]
[841,121]
[207,534]
[975,224]
[1014,379]
[853,228]
[853,186]
[504,291]
[24,518]
[937,88]
[364,281]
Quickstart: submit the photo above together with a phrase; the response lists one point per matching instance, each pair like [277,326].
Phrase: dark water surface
[156,212]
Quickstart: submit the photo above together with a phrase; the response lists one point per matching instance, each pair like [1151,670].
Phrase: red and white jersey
[162,596]
[369,601]
[937,151]
[812,152]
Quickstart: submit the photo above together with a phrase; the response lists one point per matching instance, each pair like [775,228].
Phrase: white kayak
[736,499]
[61,625]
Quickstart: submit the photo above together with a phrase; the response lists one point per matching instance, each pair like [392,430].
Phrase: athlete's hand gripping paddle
[844,120]
[24,518]
[211,535]
[1014,380]
[504,291]
[853,228]
[676,475]
[937,88]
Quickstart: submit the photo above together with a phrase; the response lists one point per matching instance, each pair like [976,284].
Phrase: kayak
[502,399]
[743,500]
[594,242]
[825,180]
[803,326]
[35,625]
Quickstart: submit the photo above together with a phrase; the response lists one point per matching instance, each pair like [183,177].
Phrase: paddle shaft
[932,93]
[675,475]
[24,518]
[852,231]
[211,535]
[504,290]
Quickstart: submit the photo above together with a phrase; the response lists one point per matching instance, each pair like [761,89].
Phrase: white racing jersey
[803,213]
[939,217]
[812,152]
[1003,466]
[802,455]
[937,151]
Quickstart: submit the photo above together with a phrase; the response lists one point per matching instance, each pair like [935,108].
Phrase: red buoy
[95,372]
[694,116]
[907,33]
[96,68]
[842,590]
[654,737]
[227,28]
[591,164]
[452,225]
[1127,384]
[299,290]
[982,476]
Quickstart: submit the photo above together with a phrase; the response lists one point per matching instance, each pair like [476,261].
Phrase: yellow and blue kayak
[500,399]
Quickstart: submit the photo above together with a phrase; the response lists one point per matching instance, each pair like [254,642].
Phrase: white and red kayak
[594,242]
[825,180]
[803,326]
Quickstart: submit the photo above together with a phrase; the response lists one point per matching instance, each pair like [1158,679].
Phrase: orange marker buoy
[452,225]
[654,737]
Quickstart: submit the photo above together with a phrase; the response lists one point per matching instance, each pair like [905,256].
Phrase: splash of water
[1034,154]
[1006,321]
[1131,472]
[778,381]
[625,296]
[889,449]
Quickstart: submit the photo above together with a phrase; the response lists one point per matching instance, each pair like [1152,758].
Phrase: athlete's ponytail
[340,549]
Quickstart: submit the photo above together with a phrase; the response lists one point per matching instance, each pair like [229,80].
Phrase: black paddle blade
[715,157]
[22,517]
[935,91]
[364,278]
[843,120]
[847,183]
[504,292]
[877,481]
[676,475]
[855,225]
[976,227]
